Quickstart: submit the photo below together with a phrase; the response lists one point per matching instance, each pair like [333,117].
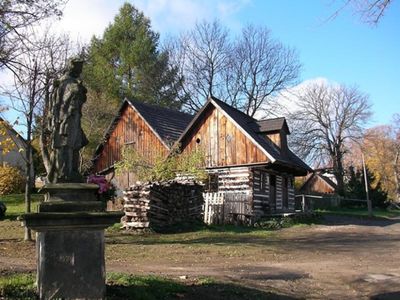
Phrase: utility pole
[369,204]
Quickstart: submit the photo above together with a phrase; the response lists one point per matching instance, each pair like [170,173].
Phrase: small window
[212,184]
[291,182]
[264,181]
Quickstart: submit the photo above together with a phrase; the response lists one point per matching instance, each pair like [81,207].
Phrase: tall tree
[34,71]
[126,62]
[326,118]
[15,17]
[97,113]
[263,67]
[245,72]
[355,187]
[203,56]
[381,145]
[370,11]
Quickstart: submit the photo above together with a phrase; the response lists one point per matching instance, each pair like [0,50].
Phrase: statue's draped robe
[67,136]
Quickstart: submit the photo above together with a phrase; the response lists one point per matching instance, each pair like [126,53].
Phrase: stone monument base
[70,244]
[71,264]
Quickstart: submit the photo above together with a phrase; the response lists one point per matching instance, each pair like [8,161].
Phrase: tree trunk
[28,176]
[338,171]
[397,174]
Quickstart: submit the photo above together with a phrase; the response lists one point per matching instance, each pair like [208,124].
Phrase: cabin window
[263,181]
[291,182]
[212,184]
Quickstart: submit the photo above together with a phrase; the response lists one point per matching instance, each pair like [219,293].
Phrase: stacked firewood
[158,205]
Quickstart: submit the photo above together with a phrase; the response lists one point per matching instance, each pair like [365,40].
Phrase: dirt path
[347,258]
[356,259]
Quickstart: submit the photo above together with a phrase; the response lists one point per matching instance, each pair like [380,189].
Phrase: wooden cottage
[149,129]
[318,183]
[246,156]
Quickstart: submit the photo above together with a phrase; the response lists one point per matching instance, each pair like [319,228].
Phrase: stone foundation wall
[162,204]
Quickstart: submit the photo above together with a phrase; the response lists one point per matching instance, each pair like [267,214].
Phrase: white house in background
[14,157]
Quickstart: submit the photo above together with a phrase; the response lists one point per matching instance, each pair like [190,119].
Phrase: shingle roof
[168,123]
[274,124]
[328,181]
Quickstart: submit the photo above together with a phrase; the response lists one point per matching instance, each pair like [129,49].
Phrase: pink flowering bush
[101,181]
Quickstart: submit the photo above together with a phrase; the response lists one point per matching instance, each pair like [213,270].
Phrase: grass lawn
[126,286]
[362,212]
[16,205]
[184,245]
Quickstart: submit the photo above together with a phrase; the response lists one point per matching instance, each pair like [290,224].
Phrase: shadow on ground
[387,296]
[209,291]
[125,286]
[340,241]
[335,220]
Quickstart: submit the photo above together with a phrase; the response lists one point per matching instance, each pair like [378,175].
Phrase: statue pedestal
[70,242]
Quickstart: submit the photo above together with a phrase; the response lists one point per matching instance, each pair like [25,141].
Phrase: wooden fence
[227,207]
[310,202]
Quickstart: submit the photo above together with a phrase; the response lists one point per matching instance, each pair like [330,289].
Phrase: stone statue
[62,136]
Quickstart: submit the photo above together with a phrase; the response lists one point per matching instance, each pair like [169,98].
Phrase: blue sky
[342,50]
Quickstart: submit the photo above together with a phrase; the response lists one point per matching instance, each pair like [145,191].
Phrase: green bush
[11,180]
[274,223]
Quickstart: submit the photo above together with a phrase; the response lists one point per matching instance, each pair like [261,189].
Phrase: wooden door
[272,192]
[285,195]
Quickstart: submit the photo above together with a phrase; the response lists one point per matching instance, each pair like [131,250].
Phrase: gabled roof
[270,125]
[167,123]
[317,174]
[13,132]
[328,181]
[249,127]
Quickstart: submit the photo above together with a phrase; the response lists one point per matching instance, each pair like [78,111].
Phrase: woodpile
[159,205]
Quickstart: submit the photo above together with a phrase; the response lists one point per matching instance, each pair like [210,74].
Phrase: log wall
[236,179]
[261,190]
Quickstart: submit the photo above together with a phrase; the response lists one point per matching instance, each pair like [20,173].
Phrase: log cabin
[247,156]
[318,183]
[243,155]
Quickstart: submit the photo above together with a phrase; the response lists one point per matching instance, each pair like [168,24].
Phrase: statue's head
[74,66]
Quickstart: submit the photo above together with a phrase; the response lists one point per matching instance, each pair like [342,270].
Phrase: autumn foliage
[381,147]
[11,180]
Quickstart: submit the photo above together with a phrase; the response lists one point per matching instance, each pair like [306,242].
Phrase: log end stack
[158,205]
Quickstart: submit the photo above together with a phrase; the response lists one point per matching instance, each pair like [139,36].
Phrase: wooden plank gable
[222,141]
[133,131]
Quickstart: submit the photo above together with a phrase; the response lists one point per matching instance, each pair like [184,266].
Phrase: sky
[343,49]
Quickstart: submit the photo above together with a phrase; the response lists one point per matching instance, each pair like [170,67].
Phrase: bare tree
[246,73]
[370,11]
[262,67]
[326,118]
[15,17]
[201,55]
[33,74]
